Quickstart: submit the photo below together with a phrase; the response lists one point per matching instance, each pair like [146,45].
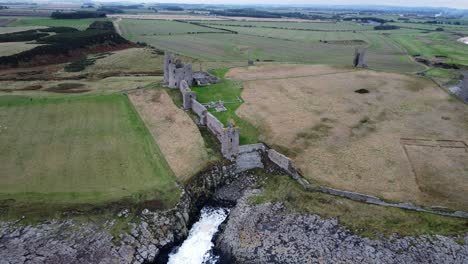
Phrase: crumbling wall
[187,95]
[201,111]
[250,157]
[214,125]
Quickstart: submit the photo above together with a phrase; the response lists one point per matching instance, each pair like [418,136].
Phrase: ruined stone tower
[360,58]
[230,140]
[464,88]
[175,71]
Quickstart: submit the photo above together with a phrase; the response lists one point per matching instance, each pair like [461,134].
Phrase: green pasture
[319,26]
[227,90]
[133,29]
[79,150]
[436,44]
[80,24]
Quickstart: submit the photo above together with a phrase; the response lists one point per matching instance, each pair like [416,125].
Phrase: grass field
[363,219]
[10,48]
[321,26]
[436,44]
[80,24]
[68,151]
[134,28]
[333,45]
[99,86]
[354,141]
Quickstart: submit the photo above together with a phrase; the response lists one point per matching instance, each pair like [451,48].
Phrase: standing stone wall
[187,95]
[201,111]
[214,125]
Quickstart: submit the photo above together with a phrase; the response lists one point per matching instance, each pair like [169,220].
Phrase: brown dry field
[353,141]
[176,134]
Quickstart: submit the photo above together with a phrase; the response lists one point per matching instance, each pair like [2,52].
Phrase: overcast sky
[459,4]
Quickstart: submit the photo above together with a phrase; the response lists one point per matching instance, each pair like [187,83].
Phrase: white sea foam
[197,248]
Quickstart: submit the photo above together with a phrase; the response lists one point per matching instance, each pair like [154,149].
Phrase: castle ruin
[176,75]
[175,72]
[360,58]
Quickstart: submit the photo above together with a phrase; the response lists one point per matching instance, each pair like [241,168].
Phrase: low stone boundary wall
[286,165]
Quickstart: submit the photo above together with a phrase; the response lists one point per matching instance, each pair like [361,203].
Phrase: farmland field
[331,46]
[364,142]
[133,28]
[79,150]
[433,45]
[320,26]
[80,24]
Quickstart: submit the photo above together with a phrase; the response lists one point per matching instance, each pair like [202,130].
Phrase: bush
[77,15]
[22,36]
[386,27]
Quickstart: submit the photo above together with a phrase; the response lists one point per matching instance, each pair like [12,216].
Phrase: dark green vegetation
[230,92]
[65,42]
[363,219]
[33,34]
[77,15]
[78,152]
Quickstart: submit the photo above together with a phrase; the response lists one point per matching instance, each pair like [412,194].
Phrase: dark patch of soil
[32,87]
[362,91]
[68,88]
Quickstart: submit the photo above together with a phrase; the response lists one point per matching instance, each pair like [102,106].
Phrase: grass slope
[79,150]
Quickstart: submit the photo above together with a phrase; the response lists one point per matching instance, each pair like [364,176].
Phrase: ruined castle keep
[360,58]
[175,71]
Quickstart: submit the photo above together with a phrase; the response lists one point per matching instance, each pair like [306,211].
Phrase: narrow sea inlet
[198,247]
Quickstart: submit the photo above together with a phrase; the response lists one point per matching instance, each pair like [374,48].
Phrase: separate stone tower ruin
[175,71]
[360,58]
[464,88]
